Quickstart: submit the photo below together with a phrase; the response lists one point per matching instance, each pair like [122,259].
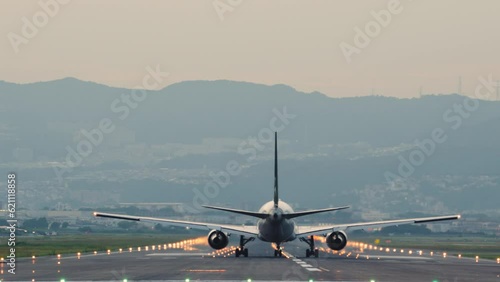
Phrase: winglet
[276,198]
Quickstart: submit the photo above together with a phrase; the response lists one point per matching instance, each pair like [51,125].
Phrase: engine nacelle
[217,239]
[336,240]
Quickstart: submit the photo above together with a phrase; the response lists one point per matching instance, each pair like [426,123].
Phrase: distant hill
[46,117]
[192,110]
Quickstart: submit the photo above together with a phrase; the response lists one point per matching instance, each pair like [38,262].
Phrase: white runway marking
[305,264]
[396,257]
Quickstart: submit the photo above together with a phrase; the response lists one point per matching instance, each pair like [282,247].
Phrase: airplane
[275,224]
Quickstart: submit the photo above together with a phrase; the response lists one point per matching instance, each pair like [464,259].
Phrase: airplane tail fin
[276,197]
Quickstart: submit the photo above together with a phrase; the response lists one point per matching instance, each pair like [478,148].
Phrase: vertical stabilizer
[276,198]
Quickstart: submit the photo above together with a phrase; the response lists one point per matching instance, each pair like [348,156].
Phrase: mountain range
[343,146]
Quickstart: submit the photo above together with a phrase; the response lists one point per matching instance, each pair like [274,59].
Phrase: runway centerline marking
[304,264]
[399,257]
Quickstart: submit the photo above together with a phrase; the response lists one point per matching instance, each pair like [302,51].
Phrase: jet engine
[336,240]
[217,239]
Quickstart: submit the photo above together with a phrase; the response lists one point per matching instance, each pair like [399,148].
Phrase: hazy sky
[427,43]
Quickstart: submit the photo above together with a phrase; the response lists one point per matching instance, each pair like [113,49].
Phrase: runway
[195,261]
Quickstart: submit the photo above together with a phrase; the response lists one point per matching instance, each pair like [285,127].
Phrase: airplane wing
[228,228]
[323,229]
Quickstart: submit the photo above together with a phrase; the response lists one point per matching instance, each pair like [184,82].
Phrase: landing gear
[241,250]
[278,252]
[312,251]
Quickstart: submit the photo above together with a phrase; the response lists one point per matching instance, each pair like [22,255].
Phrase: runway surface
[195,261]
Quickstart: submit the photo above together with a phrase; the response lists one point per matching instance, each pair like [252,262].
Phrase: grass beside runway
[27,246]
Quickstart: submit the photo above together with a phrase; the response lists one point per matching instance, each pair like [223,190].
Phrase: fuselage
[276,228]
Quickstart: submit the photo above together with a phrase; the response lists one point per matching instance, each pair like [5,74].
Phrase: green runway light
[311,280]
[62,280]
[187,280]
[249,280]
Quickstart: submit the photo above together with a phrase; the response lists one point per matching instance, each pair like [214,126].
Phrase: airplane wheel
[308,253]
[245,252]
[275,253]
[316,253]
[280,253]
[237,253]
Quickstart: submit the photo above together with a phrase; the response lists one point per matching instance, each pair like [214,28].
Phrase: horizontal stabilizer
[249,213]
[297,214]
